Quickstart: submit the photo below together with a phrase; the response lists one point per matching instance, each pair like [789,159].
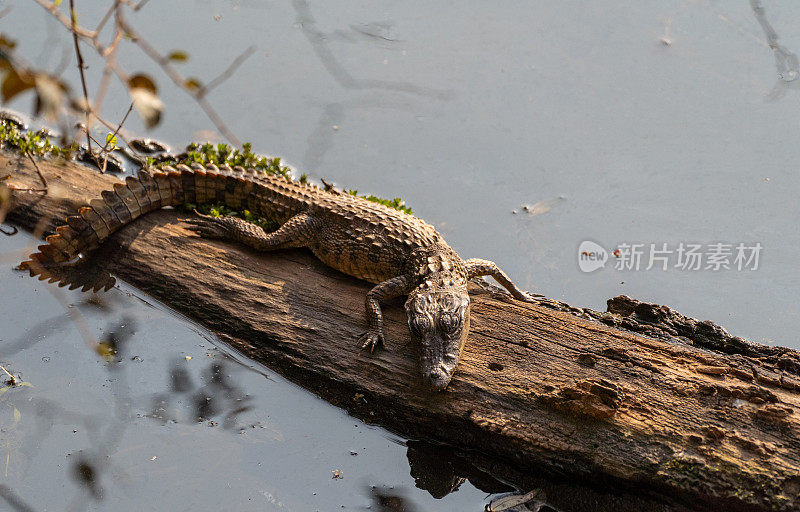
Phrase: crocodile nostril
[437,378]
[495,367]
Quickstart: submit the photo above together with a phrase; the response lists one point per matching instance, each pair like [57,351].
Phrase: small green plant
[219,154]
[39,144]
[220,210]
[33,143]
[395,203]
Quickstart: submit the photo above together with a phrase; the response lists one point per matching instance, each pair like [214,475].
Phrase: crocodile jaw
[440,357]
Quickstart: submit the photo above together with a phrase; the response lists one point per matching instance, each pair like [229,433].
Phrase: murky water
[175,420]
[621,123]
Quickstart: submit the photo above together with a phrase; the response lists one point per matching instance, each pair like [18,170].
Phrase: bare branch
[38,170]
[106,17]
[108,54]
[74,18]
[63,63]
[227,73]
[111,127]
[105,79]
[177,79]
[52,8]
[113,135]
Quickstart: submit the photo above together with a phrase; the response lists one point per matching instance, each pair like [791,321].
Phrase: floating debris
[14,119]
[541,207]
[113,162]
[148,146]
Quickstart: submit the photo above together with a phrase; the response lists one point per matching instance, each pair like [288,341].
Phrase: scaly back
[275,198]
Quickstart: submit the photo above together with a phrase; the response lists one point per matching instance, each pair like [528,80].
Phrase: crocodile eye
[449,322]
[419,324]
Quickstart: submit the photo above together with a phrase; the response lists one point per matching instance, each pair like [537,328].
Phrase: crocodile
[398,252]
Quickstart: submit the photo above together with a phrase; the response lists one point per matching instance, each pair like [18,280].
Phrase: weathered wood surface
[543,391]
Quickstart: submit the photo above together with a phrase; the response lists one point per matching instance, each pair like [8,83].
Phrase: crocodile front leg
[477,267]
[296,232]
[395,287]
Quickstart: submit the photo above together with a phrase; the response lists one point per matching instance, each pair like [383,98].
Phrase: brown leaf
[49,96]
[7,43]
[145,99]
[14,83]
[142,81]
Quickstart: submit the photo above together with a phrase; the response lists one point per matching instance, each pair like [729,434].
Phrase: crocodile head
[439,320]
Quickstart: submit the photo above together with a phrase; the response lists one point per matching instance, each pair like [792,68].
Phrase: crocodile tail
[57,261]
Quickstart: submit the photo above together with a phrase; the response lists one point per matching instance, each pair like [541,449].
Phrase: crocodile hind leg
[296,232]
[477,267]
[395,287]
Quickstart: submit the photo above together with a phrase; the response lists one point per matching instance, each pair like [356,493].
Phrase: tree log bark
[686,413]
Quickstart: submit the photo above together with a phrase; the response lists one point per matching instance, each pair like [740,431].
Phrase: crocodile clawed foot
[370,340]
[531,297]
[207,226]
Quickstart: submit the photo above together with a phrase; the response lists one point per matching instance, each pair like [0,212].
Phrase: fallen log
[686,414]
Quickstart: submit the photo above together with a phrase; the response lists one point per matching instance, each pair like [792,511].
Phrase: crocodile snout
[437,378]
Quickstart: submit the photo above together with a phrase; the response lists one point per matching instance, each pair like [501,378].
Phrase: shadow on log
[686,417]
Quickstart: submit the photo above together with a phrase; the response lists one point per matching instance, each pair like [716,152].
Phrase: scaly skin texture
[401,254]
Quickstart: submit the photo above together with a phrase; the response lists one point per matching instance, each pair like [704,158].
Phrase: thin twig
[41,175]
[105,150]
[96,156]
[111,127]
[112,47]
[73,28]
[227,73]
[218,122]
[113,135]
[106,17]
[104,147]
[95,140]
[177,79]
[108,54]
[12,380]
[110,62]
[29,189]
[63,63]
[52,8]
